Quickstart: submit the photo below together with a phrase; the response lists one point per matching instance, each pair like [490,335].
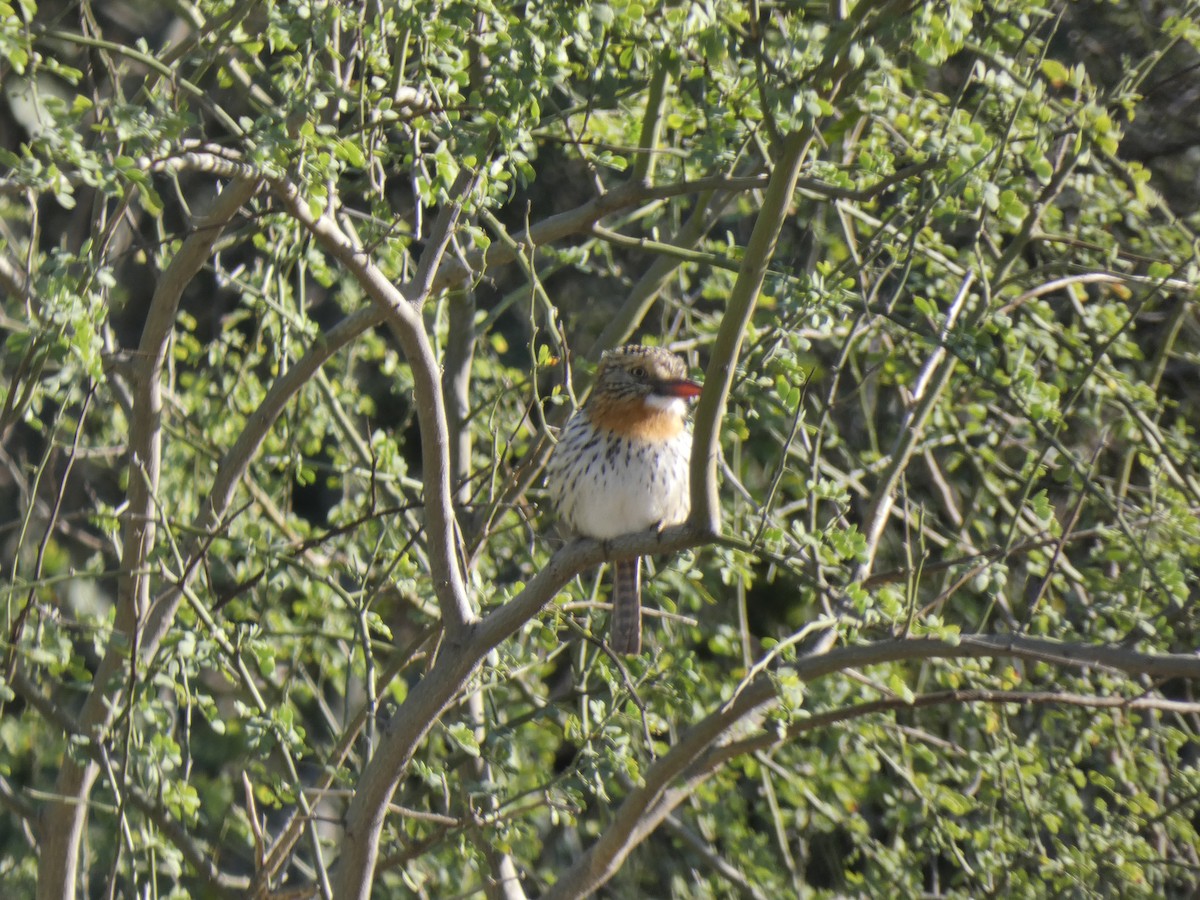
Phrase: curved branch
[238,457]
[62,821]
[699,751]
[456,663]
[937,698]
[399,307]
[451,273]
[580,219]
[718,379]
[402,311]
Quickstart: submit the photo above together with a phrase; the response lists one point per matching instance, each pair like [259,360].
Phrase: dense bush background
[295,295]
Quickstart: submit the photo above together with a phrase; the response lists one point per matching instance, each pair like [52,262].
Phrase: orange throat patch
[636,419]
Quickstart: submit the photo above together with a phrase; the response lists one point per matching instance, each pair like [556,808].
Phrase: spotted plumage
[621,464]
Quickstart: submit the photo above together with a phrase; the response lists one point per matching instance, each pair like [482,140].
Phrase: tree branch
[426,701]
[451,273]
[718,378]
[766,741]
[927,393]
[401,306]
[652,120]
[456,388]
[643,294]
[440,235]
[398,308]
[698,752]
[579,220]
[197,854]
[62,822]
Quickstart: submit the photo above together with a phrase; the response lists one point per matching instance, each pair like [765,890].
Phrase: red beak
[683,388]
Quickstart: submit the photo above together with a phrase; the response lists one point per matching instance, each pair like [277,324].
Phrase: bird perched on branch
[621,465]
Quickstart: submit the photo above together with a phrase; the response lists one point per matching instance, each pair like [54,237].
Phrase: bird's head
[642,391]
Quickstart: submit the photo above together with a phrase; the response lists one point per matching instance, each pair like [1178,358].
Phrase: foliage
[294,297]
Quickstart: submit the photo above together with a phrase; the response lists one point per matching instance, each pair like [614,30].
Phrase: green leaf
[1056,73]
[464,737]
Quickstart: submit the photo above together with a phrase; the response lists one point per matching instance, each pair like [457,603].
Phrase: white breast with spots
[605,484]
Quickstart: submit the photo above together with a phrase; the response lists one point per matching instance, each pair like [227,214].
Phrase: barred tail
[625,631]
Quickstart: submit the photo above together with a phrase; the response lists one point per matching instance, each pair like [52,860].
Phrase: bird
[621,465]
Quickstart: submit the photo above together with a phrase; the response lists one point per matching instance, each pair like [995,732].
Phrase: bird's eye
[637,372]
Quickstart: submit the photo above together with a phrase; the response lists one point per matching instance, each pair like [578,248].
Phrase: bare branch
[451,273]
[579,220]
[441,233]
[396,306]
[652,120]
[959,697]
[718,378]
[399,739]
[932,382]
[871,191]
[456,388]
[401,308]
